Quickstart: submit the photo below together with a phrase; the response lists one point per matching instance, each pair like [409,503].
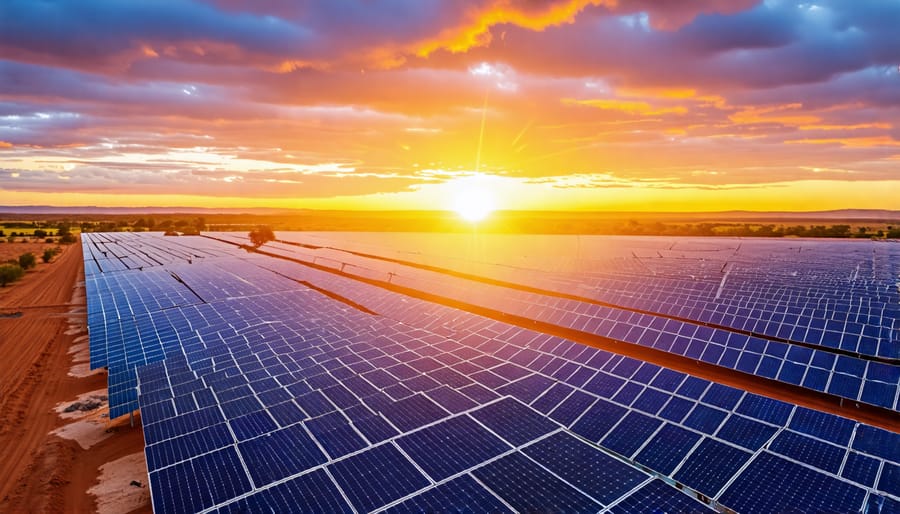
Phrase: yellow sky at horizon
[517,194]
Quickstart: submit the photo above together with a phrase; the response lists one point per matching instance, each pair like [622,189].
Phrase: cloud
[136,96]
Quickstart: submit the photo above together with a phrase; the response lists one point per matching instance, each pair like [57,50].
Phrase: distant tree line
[186,226]
[436,221]
[751,230]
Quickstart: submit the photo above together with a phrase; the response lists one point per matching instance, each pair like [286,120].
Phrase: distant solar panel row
[272,396]
[840,294]
[849,377]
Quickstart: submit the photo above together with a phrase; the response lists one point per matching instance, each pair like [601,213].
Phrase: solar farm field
[368,372]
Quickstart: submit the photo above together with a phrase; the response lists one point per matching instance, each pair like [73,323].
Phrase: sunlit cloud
[554,103]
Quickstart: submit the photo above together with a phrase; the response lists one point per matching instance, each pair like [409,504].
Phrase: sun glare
[473,203]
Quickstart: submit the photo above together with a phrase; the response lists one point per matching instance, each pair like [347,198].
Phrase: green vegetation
[10,273]
[50,253]
[506,222]
[27,260]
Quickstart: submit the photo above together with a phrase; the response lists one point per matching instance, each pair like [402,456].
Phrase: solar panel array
[259,393]
[853,377]
[840,294]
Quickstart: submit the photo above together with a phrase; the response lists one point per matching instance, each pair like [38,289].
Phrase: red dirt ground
[42,472]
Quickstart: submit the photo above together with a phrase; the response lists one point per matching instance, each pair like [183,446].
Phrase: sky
[607,105]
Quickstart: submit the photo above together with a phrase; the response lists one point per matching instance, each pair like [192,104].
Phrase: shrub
[27,260]
[49,254]
[10,273]
[68,238]
[48,240]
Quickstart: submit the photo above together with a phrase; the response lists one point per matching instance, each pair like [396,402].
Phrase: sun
[473,203]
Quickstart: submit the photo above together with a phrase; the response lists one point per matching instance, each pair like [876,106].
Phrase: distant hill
[92,210]
[759,216]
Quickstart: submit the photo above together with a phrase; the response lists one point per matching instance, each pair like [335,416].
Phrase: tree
[40,233]
[27,260]
[10,273]
[68,238]
[261,235]
[62,229]
[200,224]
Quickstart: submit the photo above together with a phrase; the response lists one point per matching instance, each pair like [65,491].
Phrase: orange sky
[589,105]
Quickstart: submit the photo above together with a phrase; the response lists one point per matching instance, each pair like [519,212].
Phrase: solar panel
[528,487]
[452,446]
[376,477]
[464,493]
[757,490]
[667,449]
[745,432]
[657,497]
[711,465]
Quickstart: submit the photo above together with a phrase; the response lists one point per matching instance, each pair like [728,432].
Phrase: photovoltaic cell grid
[853,378]
[478,427]
[257,383]
[839,294]
[136,317]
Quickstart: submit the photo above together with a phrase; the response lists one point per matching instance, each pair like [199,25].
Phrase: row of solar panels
[845,376]
[121,251]
[758,289]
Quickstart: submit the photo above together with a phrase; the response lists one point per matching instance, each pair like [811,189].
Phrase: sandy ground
[14,250]
[51,459]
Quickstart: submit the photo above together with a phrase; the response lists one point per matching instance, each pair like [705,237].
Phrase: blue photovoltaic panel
[200,483]
[572,408]
[710,466]
[705,419]
[461,494]
[594,472]
[877,442]
[376,477]
[745,432]
[280,454]
[598,420]
[312,493]
[657,497]
[631,433]
[860,469]
[667,449]
[810,451]
[824,426]
[451,446]
[528,487]
[514,422]
[413,412]
[760,490]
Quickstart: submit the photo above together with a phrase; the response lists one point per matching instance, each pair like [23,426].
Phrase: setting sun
[473,204]
[472,197]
